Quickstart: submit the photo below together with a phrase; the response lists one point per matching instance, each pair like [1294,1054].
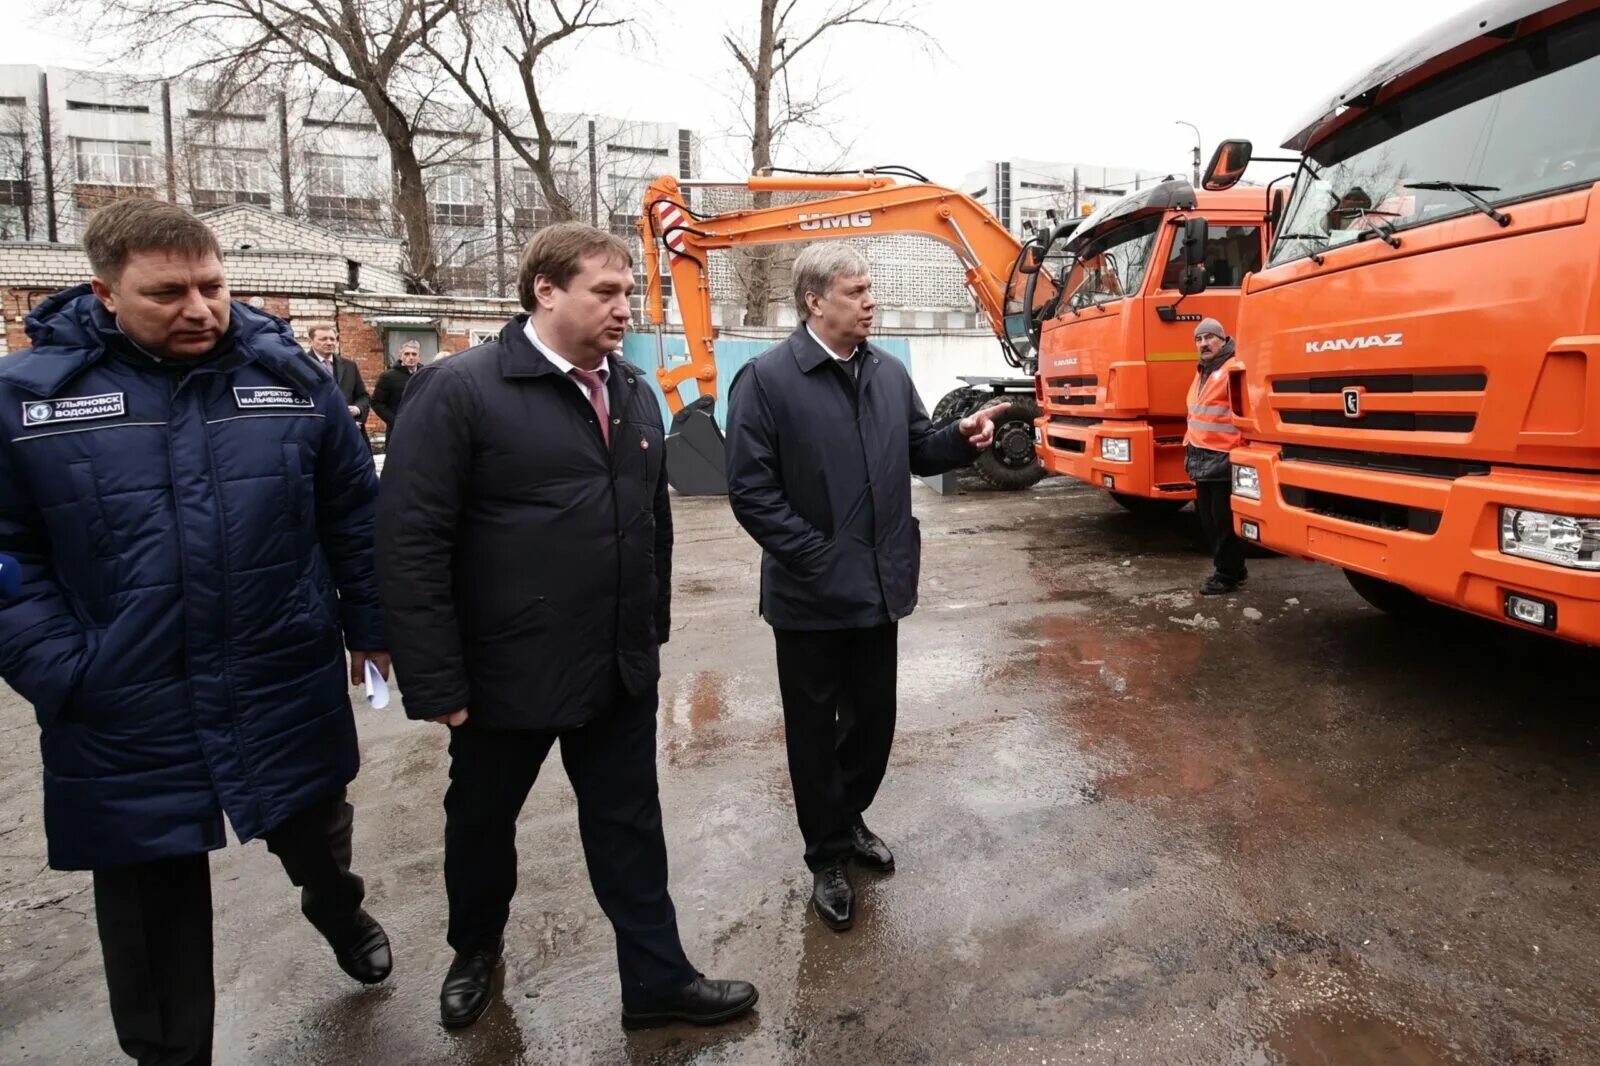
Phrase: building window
[113,162]
[16,194]
[455,198]
[108,109]
[341,188]
[225,176]
[625,194]
[530,207]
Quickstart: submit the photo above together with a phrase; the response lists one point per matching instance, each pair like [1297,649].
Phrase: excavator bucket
[695,452]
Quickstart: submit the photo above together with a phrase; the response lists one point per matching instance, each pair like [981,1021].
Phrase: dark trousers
[611,763]
[155,930]
[838,688]
[1214,502]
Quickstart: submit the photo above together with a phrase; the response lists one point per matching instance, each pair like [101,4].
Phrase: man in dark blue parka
[190,507]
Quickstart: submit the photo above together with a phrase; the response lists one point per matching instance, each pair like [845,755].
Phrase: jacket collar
[808,354]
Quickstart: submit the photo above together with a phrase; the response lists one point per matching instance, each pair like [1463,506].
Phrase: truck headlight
[1247,482]
[1116,449]
[1558,539]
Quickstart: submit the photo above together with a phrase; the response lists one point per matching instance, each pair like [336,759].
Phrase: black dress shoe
[700,1001]
[362,948]
[870,851]
[832,897]
[1217,585]
[468,987]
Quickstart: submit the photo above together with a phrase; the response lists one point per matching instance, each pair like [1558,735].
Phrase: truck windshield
[1517,123]
[1111,265]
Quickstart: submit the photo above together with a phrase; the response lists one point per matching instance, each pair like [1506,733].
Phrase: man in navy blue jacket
[190,506]
[824,433]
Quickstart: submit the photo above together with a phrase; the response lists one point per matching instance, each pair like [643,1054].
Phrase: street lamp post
[1197,143]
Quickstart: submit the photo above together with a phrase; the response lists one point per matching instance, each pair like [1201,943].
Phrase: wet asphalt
[1132,826]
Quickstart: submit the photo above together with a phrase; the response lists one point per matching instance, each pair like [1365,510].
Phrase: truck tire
[1386,596]
[955,404]
[1148,507]
[1011,462]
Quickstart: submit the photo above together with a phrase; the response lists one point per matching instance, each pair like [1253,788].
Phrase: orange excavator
[867,204]
[1420,392]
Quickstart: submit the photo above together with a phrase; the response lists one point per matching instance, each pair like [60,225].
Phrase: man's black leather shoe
[832,897]
[362,948]
[870,851]
[701,1002]
[468,987]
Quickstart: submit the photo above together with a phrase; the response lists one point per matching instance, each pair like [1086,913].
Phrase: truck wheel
[1386,596]
[1147,507]
[955,404]
[1011,463]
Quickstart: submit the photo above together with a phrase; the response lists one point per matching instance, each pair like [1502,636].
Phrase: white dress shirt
[830,351]
[564,365]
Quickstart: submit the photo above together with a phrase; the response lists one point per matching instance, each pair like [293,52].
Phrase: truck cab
[1115,345]
[1421,386]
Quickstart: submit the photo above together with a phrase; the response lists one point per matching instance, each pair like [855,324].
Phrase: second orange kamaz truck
[1115,347]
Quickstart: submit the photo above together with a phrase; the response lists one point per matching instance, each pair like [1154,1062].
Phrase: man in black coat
[824,433]
[525,551]
[390,390]
[345,374]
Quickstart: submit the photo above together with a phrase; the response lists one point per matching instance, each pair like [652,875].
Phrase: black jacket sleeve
[755,481]
[934,451]
[663,511]
[425,479]
[358,392]
[386,396]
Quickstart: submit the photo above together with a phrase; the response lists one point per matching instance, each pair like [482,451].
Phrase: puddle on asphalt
[1346,1038]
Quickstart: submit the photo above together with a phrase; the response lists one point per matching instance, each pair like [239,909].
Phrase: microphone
[10,578]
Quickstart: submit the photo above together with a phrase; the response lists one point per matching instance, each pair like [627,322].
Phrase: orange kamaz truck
[1421,386]
[1115,347]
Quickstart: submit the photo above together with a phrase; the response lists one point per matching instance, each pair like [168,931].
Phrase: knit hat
[1210,325]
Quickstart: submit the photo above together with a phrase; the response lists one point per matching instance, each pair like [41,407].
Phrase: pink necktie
[595,387]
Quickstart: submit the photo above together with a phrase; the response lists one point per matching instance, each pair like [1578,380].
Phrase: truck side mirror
[1194,241]
[1227,165]
[1032,257]
[1192,281]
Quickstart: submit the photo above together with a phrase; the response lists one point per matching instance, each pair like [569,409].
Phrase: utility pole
[1197,143]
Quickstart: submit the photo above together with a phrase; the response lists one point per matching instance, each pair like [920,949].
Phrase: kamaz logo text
[858,220]
[1350,344]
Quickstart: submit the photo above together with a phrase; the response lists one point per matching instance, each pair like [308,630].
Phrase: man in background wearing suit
[345,374]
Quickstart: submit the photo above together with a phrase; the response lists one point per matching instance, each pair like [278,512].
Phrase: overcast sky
[1100,82]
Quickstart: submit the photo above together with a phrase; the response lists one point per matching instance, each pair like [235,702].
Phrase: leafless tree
[782,35]
[365,46]
[494,41]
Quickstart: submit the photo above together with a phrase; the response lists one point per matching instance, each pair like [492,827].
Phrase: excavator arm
[864,206]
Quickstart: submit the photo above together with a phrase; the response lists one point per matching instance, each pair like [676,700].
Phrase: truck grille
[1063,390]
[1384,383]
[1464,389]
[1416,465]
[1401,421]
[1373,513]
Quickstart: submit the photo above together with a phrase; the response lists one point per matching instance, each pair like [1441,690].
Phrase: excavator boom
[864,205]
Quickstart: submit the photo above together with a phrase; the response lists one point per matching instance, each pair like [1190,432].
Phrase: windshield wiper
[1468,193]
[1314,256]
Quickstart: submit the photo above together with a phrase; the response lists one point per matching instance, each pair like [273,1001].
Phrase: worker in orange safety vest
[1211,435]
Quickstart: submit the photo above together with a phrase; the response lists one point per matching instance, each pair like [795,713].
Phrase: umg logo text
[1351,344]
[857,220]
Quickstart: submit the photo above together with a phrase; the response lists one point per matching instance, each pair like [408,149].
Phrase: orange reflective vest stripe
[1210,415]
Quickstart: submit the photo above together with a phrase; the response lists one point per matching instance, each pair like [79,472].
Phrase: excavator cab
[1039,309]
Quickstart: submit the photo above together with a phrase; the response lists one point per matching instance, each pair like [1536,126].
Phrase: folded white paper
[377,687]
